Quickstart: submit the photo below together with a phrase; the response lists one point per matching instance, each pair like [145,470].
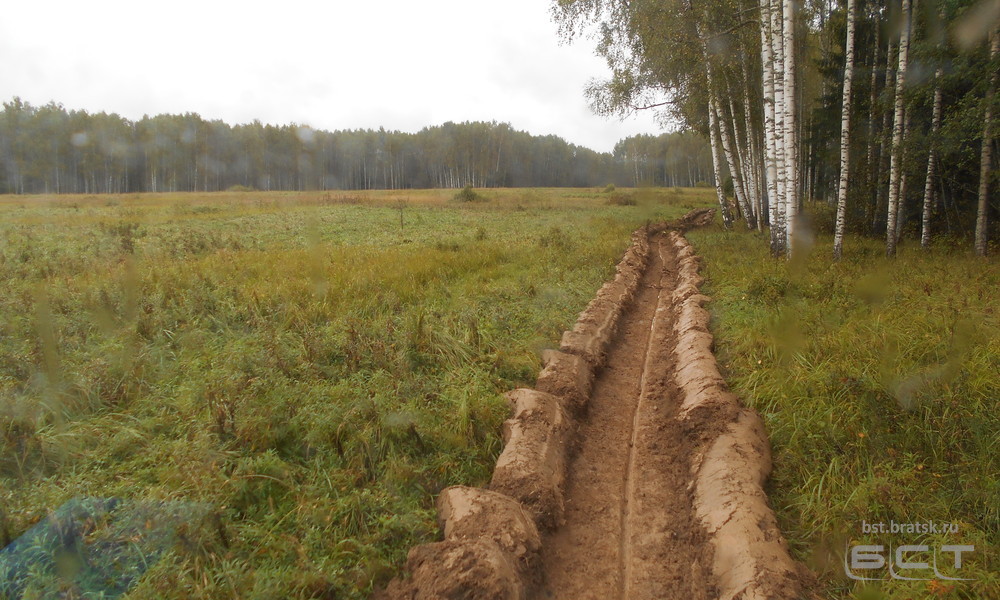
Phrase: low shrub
[468,194]
[622,199]
[821,217]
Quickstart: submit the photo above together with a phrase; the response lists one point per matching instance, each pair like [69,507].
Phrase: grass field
[878,381]
[314,367]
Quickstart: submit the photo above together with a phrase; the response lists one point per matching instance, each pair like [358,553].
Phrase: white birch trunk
[780,149]
[881,197]
[757,164]
[770,151]
[901,210]
[731,146]
[896,158]
[871,165]
[925,221]
[845,136]
[791,200]
[754,171]
[713,134]
[986,158]
[746,162]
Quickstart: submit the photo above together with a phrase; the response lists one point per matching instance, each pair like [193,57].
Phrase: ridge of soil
[629,529]
[631,471]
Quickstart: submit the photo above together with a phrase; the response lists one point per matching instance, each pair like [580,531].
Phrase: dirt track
[628,519]
[629,472]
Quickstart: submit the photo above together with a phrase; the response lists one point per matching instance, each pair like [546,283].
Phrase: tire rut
[629,531]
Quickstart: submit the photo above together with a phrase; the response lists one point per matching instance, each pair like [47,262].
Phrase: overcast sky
[334,64]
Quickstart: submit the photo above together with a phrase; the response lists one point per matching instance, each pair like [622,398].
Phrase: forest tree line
[883,110]
[50,149]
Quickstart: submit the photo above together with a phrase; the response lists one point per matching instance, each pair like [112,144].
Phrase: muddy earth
[629,472]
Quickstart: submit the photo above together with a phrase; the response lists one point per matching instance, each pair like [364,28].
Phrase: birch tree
[896,157]
[729,148]
[872,171]
[744,166]
[845,135]
[883,168]
[925,221]
[790,117]
[777,92]
[713,132]
[770,130]
[986,156]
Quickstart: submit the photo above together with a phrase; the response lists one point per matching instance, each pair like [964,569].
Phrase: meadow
[878,381]
[314,367]
[311,367]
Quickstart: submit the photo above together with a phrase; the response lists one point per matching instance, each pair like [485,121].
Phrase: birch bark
[845,132]
[780,147]
[713,134]
[770,151]
[925,224]
[986,157]
[731,147]
[790,141]
[896,158]
[881,197]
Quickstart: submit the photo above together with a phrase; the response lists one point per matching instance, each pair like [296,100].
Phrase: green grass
[878,381]
[315,372]
[314,367]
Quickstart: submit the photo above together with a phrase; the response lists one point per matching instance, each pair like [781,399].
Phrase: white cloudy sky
[333,64]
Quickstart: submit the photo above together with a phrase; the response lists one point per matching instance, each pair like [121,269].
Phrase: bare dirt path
[629,528]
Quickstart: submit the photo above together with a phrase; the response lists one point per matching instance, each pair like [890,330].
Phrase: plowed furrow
[628,530]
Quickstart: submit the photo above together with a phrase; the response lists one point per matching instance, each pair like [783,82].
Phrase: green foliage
[50,149]
[877,382]
[936,41]
[608,188]
[820,217]
[468,194]
[669,159]
[727,187]
[658,51]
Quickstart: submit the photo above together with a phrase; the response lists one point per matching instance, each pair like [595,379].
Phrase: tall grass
[878,380]
[304,364]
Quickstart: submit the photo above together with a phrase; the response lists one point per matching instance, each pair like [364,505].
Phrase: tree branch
[656,105]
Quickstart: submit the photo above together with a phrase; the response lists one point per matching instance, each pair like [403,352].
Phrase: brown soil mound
[631,471]
[700,217]
[532,467]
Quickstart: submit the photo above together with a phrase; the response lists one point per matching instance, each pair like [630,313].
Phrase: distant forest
[50,149]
